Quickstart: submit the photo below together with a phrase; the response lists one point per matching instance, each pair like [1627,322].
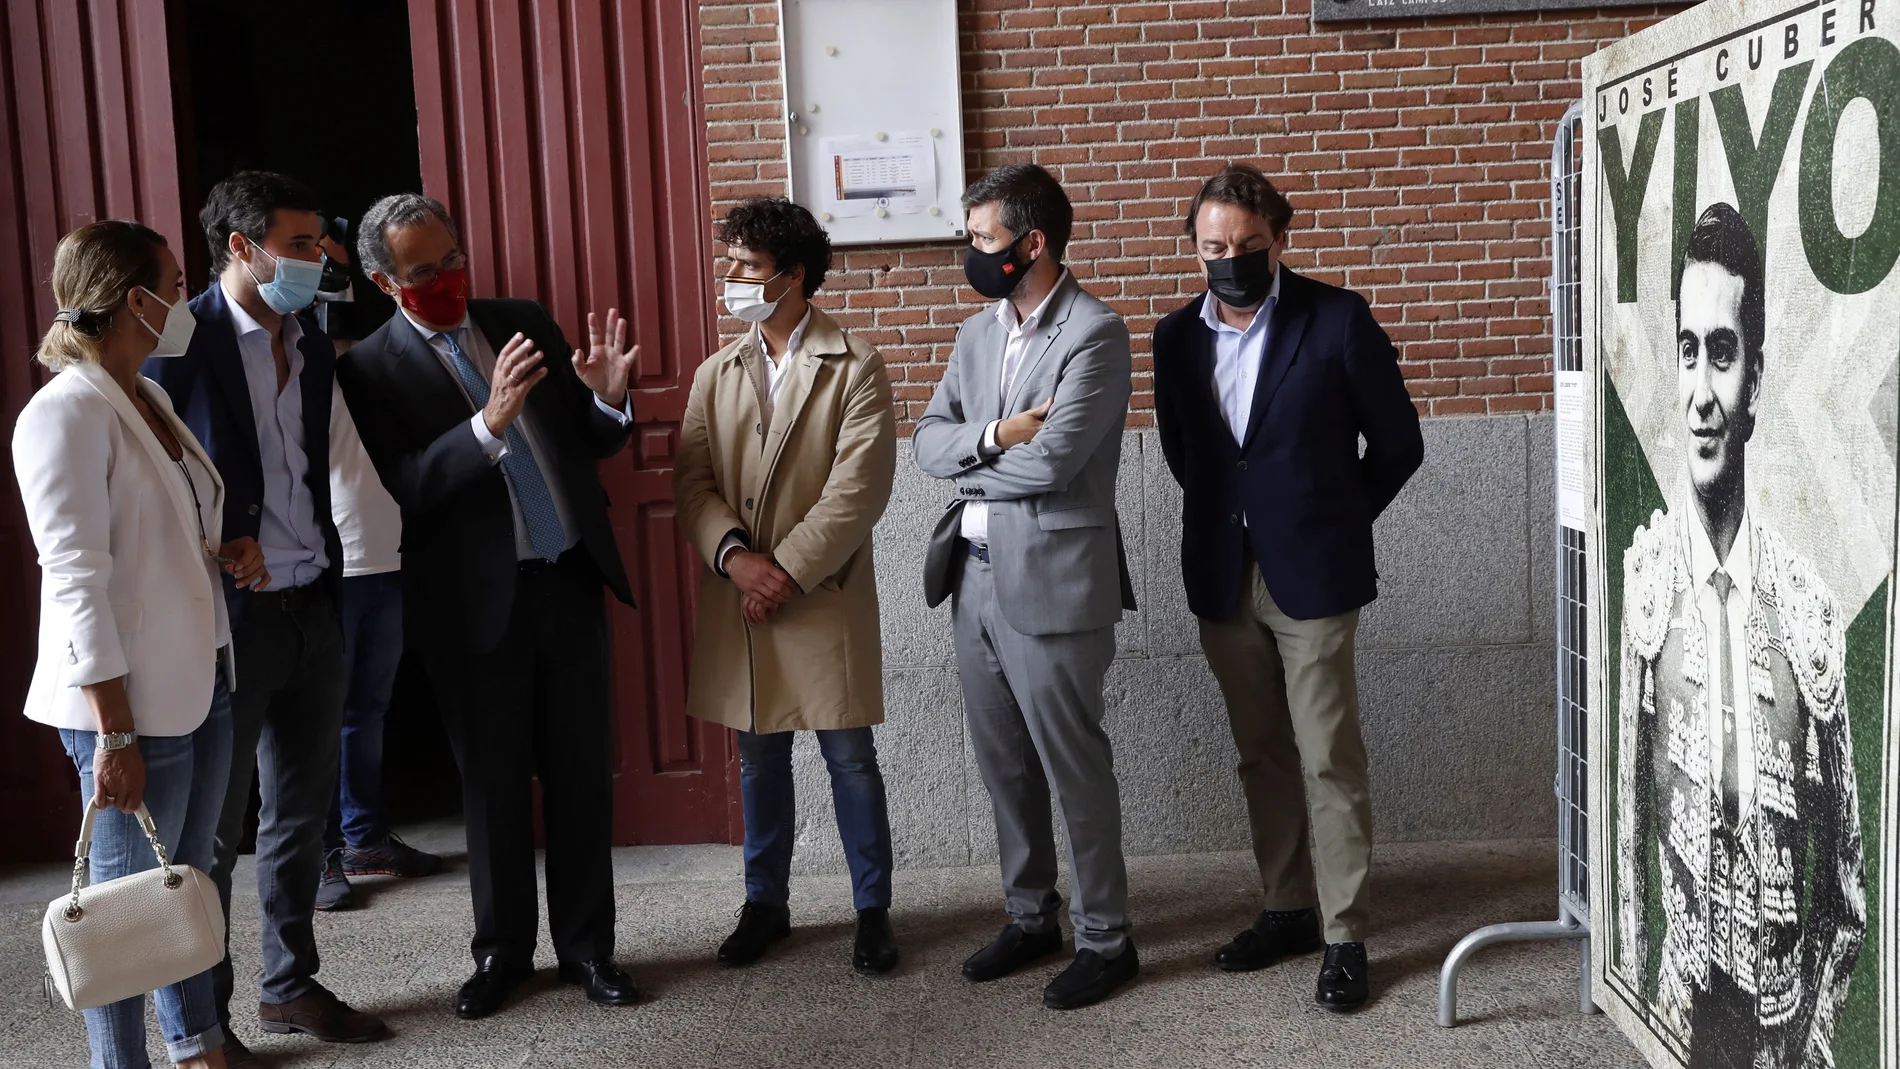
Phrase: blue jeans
[184,789]
[372,649]
[771,814]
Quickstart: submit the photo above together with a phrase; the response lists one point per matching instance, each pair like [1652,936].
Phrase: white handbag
[135,934]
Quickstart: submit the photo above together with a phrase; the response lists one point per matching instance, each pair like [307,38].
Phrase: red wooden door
[567,139]
[85,134]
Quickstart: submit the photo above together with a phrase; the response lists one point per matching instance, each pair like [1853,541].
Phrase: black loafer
[1275,934]
[1012,950]
[1090,978]
[606,984]
[485,992]
[759,927]
[876,950]
[1342,979]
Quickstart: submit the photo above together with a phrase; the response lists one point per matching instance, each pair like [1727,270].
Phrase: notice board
[874,117]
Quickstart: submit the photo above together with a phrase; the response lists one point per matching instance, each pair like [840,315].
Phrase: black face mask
[1241,281]
[335,278]
[994,274]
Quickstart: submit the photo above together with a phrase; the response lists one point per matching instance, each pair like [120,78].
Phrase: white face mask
[179,323]
[747,300]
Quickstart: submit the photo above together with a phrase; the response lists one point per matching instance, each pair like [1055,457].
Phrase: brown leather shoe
[239,1056]
[322,1015]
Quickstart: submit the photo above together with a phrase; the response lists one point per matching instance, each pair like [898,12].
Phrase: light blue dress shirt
[289,531]
[1238,355]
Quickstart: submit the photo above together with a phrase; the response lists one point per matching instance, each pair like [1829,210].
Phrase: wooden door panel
[86,133]
[565,137]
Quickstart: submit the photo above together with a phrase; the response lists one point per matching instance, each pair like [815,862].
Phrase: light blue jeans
[184,789]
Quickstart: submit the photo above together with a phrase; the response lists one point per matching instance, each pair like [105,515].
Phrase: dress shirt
[976,514]
[1740,567]
[289,531]
[474,345]
[774,382]
[367,519]
[1238,355]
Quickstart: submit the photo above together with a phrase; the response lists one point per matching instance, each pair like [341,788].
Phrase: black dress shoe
[1012,950]
[1275,934]
[1342,979]
[1090,978]
[876,949]
[606,984]
[489,988]
[759,927]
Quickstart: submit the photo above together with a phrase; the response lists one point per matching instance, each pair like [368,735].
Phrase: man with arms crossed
[1264,387]
[1027,423]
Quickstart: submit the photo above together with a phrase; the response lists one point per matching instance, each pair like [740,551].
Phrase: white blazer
[126,588]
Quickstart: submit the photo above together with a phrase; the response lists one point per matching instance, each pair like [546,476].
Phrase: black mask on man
[995,274]
[1241,281]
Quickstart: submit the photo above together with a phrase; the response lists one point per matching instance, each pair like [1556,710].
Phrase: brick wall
[1416,154]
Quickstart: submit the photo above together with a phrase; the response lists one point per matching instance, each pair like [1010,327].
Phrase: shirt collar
[1740,565]
[429,333]
[1006,312]
[792,343]
[1210,315]
[246,326]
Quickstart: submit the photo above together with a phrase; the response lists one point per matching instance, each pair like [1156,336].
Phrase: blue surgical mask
[292,288]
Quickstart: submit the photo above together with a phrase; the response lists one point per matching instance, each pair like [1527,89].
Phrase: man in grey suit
[1027,422]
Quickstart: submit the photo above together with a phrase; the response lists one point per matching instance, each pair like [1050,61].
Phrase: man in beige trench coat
[786,458]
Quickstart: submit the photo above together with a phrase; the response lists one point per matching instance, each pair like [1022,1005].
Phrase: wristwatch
[117,740]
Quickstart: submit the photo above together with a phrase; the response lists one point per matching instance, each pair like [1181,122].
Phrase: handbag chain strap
[83,849]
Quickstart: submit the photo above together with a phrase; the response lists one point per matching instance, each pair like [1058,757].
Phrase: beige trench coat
[807,487]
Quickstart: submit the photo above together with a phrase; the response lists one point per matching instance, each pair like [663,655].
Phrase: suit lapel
[821,339]
[1283,344]
[1058,313]
[227,368]
[141,431]
[419,363]
[1198,366]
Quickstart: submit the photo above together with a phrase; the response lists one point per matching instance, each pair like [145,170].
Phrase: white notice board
[874,117]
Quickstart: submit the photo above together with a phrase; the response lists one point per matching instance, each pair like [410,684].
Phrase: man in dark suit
[1263,389]
[254,386]
[490,451]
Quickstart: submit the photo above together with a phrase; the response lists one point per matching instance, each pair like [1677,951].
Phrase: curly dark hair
[782,230]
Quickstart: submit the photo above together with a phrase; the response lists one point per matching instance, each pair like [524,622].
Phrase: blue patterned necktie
[545,532]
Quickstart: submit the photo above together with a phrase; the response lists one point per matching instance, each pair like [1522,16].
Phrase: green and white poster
[1742,320]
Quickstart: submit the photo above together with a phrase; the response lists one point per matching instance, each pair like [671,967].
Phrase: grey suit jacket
[1055,540]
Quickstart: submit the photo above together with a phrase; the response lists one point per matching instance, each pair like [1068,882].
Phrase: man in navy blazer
[255,388]
[1264,388]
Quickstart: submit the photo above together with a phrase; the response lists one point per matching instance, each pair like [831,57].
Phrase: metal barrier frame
[1573,753]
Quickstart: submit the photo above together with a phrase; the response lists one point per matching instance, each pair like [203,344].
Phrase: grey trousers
[1293,705]
[1035,708]
[286,728]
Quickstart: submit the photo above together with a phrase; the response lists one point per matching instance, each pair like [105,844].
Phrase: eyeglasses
[424,276]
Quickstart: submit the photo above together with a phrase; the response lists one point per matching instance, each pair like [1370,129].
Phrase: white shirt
[1238,356]
[288,530]
[976,514]
[1740,567]
[475,346]
[774,382]
[367,518]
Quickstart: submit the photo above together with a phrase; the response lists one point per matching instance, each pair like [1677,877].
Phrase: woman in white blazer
[134,664]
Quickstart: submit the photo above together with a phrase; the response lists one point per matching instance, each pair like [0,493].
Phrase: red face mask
[443,301]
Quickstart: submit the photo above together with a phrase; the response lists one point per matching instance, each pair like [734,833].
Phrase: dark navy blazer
[208,388]
[1308,497]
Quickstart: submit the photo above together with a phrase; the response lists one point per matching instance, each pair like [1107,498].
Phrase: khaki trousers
[1293,704]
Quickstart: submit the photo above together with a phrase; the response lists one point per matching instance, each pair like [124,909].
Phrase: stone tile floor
[403,955]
